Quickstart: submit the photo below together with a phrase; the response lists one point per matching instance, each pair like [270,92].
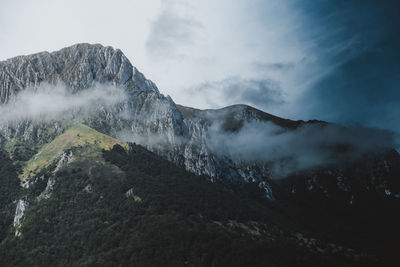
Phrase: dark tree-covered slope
[137,209]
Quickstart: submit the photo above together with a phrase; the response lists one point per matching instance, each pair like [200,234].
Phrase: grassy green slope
[78,135]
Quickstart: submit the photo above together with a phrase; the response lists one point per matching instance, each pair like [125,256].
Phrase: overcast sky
[332,60]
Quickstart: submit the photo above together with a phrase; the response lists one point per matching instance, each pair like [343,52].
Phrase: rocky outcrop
[19,214]
[79,66]
[65,159]
[23,203]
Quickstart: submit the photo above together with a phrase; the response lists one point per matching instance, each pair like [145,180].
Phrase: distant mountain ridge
[180,134]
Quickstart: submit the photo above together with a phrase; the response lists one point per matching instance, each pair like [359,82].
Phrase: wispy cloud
[276,66]
[171,30]
[55,102]
[309,146]
[263,94]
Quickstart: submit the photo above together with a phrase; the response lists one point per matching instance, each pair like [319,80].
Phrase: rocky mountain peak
[207,142]
[79,66]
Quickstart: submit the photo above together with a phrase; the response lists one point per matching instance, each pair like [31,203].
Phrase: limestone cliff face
[78,66]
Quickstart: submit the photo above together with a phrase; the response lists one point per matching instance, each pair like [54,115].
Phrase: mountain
[112,172]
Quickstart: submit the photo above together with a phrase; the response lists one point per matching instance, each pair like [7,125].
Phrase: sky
[336,60]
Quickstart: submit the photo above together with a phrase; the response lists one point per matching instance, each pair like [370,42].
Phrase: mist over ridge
[56,102]
[100,81]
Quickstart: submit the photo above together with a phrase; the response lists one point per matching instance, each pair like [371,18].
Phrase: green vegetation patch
[78,135]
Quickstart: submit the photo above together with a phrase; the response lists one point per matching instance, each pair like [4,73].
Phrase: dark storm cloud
[169,32]
[234,90]
[359,44]
[278,66]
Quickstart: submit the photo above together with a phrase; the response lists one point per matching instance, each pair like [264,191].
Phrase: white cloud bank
[56,102]
[309,146]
